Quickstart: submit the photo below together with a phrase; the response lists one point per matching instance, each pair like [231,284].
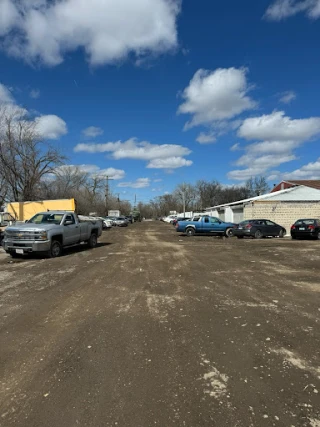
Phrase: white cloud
[278,127]
[92,131]
[139,183]
[108,31]
[141,150]
[282,9]
[279,135]
[51,126]
[235,147]
[8,16]
[34,93]
[287,97]
[206,138]
[169,163]
[308,171]
[48,126]
[157,180]
[95,170]
[133,149]
[5,95]
[215,96]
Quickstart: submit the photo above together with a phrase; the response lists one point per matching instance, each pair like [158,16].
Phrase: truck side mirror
[68,222]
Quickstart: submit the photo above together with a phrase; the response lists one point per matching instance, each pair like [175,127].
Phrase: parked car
[129,218]
[121,222]
[174,222]
[259,228]
[205,225]
[170,218]
[112,219]
[49,232]
[106,223]
[304,228]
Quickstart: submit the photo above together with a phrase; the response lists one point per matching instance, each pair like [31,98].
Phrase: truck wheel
[92,242]
[55,250]
[229,232]
[190,232]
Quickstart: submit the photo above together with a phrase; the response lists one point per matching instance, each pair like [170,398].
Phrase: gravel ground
[154,328]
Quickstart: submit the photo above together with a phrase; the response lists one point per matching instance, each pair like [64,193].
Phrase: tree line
[32,169]
[195,198]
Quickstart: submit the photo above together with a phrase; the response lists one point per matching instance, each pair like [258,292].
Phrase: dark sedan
[258,228]
[304,228]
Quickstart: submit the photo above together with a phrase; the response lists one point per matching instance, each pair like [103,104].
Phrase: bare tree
[186,194]
[257,186]
[25,159]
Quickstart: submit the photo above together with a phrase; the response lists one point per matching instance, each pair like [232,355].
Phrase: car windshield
[305,222]
[46,218]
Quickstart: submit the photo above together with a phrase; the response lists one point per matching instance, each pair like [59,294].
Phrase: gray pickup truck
[49,232]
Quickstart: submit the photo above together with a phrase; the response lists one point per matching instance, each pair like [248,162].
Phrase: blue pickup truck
[205,225]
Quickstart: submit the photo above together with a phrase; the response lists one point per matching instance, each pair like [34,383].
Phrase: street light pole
[107,193]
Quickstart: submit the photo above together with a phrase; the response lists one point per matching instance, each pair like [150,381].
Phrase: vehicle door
[272,228]
[71,232]
[261,225]
[216,225]
[204,225]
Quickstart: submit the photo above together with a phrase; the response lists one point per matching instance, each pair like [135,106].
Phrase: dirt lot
[152,328]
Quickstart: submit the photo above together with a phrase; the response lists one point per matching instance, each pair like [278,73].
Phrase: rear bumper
[304,234]
[27,246]
[241,233]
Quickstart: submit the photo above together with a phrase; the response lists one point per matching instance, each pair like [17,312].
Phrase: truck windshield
[46,218]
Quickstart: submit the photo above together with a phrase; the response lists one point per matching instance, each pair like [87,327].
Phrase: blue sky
[157,92]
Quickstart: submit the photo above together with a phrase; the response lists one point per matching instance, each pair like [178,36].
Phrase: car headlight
[44,235]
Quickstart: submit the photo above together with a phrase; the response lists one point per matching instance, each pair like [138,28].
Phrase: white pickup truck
[49,232]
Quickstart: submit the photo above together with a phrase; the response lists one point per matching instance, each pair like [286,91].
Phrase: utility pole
[107,192]
[184,203]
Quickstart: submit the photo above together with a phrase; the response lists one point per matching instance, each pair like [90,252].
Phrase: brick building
[283,207]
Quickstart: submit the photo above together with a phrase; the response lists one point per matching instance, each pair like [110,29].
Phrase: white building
[283,207]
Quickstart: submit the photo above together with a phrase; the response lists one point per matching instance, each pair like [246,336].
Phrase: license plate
[19,251]
[239,228]
[301,228]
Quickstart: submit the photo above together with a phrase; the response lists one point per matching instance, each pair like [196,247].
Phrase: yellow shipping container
[26,210]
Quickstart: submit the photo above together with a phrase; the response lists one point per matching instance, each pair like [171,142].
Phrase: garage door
[237,215]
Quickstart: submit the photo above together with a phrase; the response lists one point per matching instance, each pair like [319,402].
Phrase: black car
[258,228]
[304,228]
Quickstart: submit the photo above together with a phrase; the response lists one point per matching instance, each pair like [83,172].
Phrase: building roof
[299,193]
[312,183]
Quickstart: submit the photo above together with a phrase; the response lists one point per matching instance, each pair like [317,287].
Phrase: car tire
[190,232]
[229,232]
[92,242]
[240,237]
[318,236]
[55,250]
[282,234]
[258,234]
[293,237]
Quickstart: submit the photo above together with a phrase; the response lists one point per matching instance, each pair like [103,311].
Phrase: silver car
[121,222]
